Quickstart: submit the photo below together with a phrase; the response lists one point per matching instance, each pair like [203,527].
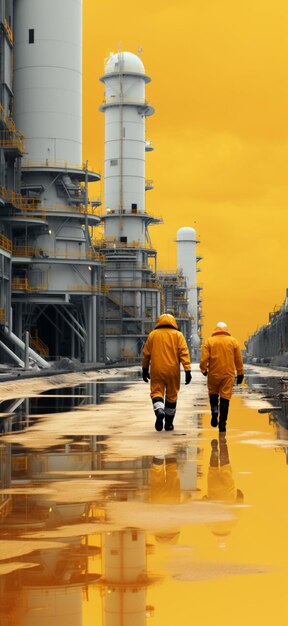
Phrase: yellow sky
[220,90]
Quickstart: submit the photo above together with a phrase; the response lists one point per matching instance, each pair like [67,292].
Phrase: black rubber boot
[224,408]
[214,409]
[170,410]
[158,407]
[159,419]
[169,422]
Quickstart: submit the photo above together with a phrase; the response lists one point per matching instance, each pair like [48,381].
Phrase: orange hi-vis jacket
[164,350]
[221,356]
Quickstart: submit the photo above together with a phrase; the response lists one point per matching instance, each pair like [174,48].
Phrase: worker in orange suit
[221,357]
[164,351]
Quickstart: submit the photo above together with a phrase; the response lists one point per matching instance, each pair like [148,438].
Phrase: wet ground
[105,521]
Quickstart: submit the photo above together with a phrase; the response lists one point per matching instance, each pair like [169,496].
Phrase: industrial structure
[133,299]
[64,290]
[271,340]
[187,264]
[60,577]
[181,293]
[57,277]
[48,257]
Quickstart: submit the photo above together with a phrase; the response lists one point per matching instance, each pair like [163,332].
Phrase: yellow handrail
[131,283]
[89,288]
[5,243]
[8,120]
[39,345]
[30,215]
[22,284]
[3,315]
[23,251]
[111,211]
[18,200]
[58,164]
[55,254]
[71,208]
[13,142]
[113,244]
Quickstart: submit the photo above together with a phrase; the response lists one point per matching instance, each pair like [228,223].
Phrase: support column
[18,322]
[72,344]
[27,340]
[94,329]
[57,334]
[87,345]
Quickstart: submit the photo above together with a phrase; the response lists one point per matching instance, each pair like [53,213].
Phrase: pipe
[75,321]
[12,354]
[36,357]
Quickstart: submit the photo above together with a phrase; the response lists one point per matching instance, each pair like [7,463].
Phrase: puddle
[103,519]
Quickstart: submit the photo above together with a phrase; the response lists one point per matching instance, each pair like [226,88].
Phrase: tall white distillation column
[133,301]
[187,261]
[125,110]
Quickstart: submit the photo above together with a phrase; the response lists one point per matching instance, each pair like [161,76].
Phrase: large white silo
[48,84]
[62,270]
[187,262]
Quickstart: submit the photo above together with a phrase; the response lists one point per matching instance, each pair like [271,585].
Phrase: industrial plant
[269,343]
[67,291]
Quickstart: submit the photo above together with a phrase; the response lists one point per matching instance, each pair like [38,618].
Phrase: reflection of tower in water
[45,578]
[124,580]
[54,589]
[190,462]
[56,575]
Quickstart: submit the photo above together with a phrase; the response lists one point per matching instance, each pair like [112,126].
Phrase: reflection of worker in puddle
[221,485]
[165,489]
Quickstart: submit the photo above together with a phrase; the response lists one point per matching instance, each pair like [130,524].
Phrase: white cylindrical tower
[58,605]
[48,78]
[187,260]
[125,578]
[125,110]
[133,300]
[62,266]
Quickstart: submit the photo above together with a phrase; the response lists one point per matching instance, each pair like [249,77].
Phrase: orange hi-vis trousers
[167,385]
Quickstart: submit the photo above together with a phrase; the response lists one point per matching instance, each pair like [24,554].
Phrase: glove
[205,373]
[239,379]
[188,377]
[145,374]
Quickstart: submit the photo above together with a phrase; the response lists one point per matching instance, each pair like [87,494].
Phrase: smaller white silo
[186,261]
